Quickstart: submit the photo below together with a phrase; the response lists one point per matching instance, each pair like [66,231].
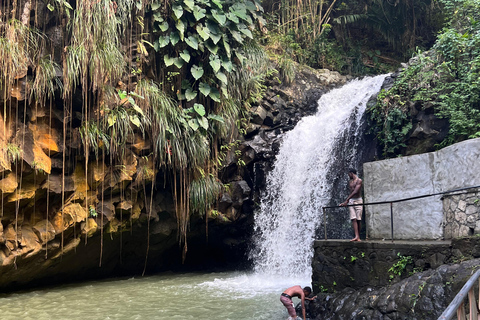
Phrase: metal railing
[391,206]
[457,306]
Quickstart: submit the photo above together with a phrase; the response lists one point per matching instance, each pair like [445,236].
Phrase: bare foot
[355,239]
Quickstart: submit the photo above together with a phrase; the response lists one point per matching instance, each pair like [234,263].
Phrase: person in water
[295,291]
[355,186]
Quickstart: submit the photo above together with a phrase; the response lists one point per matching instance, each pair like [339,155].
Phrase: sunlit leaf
[178,62]
[193,123]
[192,42]
[219,16]
[218,3]
[204,88]
[156,5]
[185,55]
[168,60]
[215,64]
[199,13]
[163,41]
[199,109]
[164,26]
[226,46]
[232,17]
[197,72]
[181,28]
[177,11]
[237,36]
[189,3]
[190,94]
[203,32]
[138,109]
[222,77]
[134,119]
[203,122]
[227,65]
[216,117]
[50,7]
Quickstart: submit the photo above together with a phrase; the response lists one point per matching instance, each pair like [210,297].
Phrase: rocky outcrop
[423,296]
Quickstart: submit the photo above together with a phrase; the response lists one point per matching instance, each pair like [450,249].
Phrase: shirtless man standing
[295,291]
[355,197]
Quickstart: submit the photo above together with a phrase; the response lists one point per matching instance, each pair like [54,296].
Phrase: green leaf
[185,55]
[226,46]
[224,91]
[204,88]
[239,10]
[237,36]
[243,29]
[50,7]
[193,123]
[232,17]
[178,62]
[164,26]
[218,3]
[177,11]
[203,122]
[199,13]
[211,47]
[214,31]
[122,94]
[163,41]
[215,64]
[214,95]
[134,119]
[192,42]
[189,3]
[157,16]
[174,38]
[199,109]
[216,117]
[227,65]
[168,60]
[197,72]
[190,94]
[203,32]
[219,16]
[138,109]
[181,29]
[111,120]
[222,77]
[156,5]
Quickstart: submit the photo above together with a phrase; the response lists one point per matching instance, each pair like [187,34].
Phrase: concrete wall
[454,167]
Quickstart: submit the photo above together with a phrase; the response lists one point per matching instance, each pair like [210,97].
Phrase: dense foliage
[446,77]
[354,37]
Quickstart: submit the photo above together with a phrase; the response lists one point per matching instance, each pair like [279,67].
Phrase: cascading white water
[297,188]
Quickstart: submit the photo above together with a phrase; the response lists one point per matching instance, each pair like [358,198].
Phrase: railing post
[391,219]
[325,221]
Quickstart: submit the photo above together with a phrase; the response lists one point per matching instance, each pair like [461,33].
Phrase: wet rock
[44,230]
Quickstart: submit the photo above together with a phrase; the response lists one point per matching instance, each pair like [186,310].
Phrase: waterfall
[297,187]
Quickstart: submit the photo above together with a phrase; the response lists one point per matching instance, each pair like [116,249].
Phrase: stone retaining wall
[462,214]
[451,168]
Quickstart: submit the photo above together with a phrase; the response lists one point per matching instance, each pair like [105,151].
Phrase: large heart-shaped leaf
[190,94]
[168,60]
[227,65]
[243,29]
[199,109]
[203,32]
[232,17]
[199,13]
[211,47]
[177,10]
[203,122]
[163,41]
[192,42]
[204,88]
[185,55]
[215,64]
[178,62]
[174,38]
[219,16]
[181,28]
[189,4]
[197,72]
[218,3]
[193,123]
[156,5]
[222,77]
[237,36]
[164,26]
[157,16]
[215,95]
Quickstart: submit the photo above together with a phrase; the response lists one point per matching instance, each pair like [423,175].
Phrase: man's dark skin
[297,291]
[355,186]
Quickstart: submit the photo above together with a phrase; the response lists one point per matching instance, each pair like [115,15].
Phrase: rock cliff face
[68,218]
